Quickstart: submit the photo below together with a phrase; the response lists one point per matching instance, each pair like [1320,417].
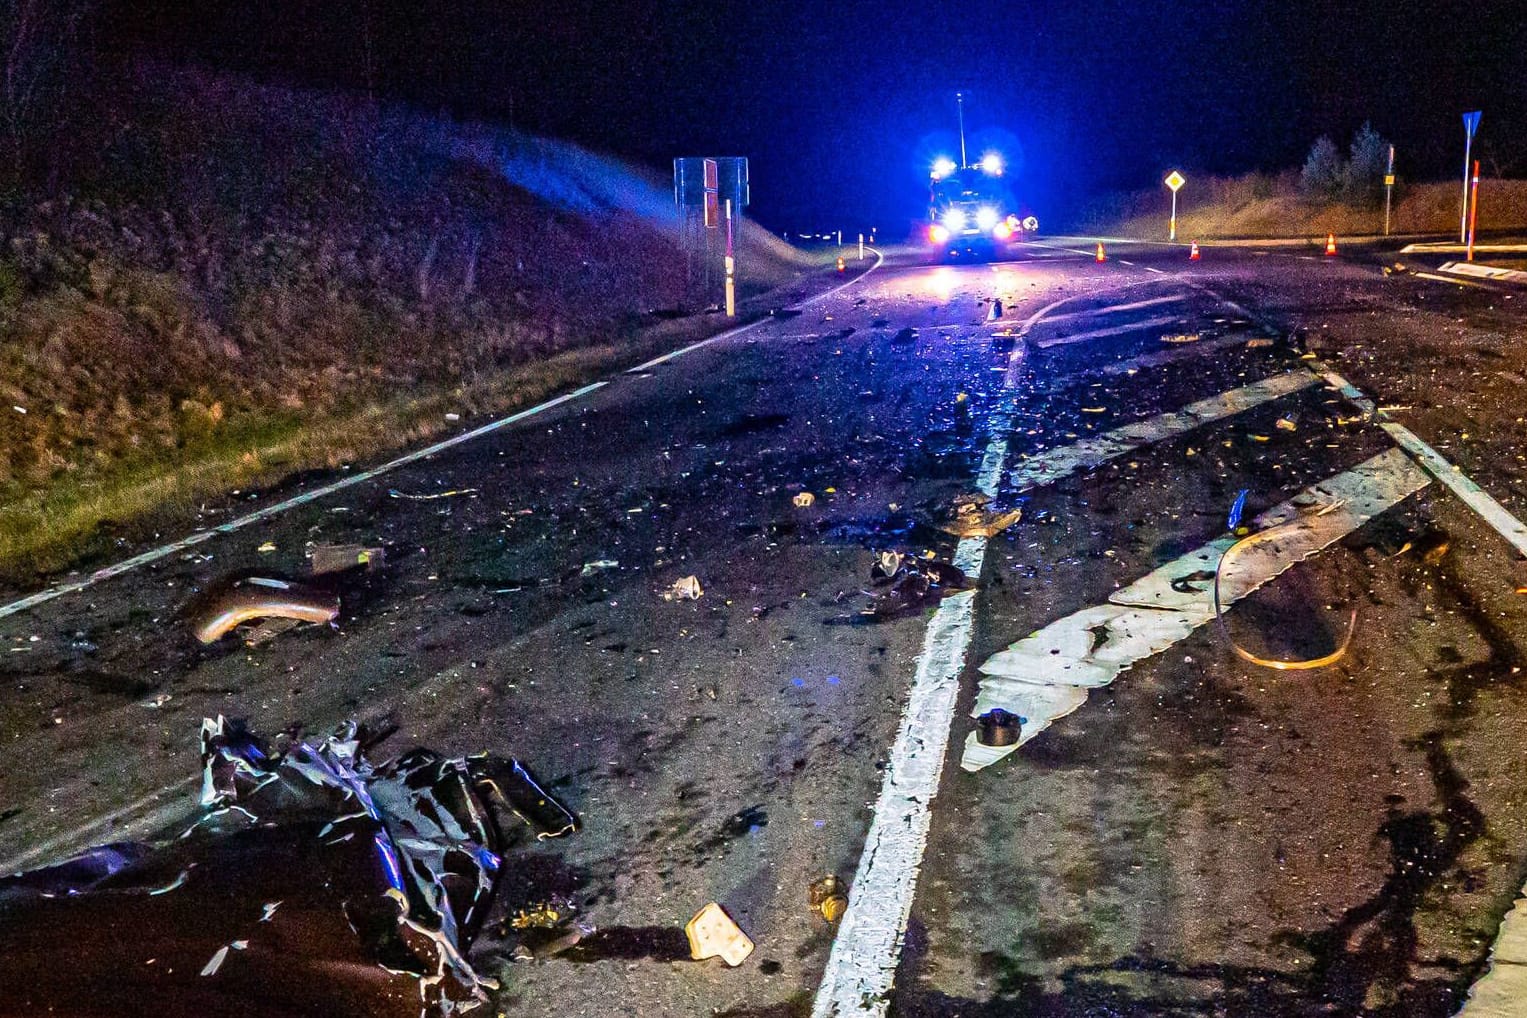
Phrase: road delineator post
[1101,256]
[1193,255]
[1330,245]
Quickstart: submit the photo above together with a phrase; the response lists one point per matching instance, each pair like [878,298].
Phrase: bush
[1363,176]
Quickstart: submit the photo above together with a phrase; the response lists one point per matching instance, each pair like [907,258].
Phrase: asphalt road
[1203,836]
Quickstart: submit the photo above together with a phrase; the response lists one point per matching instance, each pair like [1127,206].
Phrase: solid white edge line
[164,551]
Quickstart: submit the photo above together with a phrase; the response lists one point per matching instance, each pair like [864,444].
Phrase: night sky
[841,106]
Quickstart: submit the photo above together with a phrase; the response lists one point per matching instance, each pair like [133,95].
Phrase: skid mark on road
[1055,464]
[1046,675]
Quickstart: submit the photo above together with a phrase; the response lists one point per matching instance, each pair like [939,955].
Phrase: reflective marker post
[861,247]
[1470,125]
[1473,209]
[1388,189]
[731,266]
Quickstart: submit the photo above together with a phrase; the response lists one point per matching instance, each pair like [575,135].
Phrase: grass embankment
[235,283]
[1263,206]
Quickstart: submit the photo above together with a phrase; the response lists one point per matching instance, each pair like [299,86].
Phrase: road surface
[1201,836]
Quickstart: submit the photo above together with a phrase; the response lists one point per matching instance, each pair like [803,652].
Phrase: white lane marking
[867,949]
[1171,355]
[1054,464]
[1433,462]
[732,333]
[1116,330]
[1113,309]
[164,551]
[1484,271]
[1471,494]
[1045,676]
[1152,268]
[1456,281]
[1430,460]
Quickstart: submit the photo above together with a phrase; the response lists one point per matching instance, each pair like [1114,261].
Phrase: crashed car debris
[313,882]
[910,583]
[259,597]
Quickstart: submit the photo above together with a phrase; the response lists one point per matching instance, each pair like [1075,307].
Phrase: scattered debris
[913,583]
[1233,521]
[261,597]
[598,566]
[395,493]
[997,727]
[687,589]
[311,873]
[1257,342]
[996,310]
[336,558]
[804,500]
[1287,424]
[906,335]
[1182,337]
[713,934]
[453,417]
[972,518]
[828,898]
[266,548]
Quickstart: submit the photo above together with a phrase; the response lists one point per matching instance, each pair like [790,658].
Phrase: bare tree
[38,39]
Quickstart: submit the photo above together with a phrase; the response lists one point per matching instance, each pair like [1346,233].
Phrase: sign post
[1388,189]
[1174,180]
[1470,125]
[1473,209]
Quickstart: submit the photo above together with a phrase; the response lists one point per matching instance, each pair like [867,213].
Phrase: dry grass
[1261,206]
[57,524]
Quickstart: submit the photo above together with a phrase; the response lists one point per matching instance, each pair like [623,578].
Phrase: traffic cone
[841,266]
[1101,256]
[1193,255]
[1330,244]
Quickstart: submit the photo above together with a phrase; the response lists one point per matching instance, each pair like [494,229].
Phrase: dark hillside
[217,281]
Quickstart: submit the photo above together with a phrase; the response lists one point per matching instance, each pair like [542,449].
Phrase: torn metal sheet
[260,597]
[1046,675]
[314,882]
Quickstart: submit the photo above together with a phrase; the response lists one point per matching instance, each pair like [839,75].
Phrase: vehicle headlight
[1002,231]
[937,234]
[954,220]
[986,218]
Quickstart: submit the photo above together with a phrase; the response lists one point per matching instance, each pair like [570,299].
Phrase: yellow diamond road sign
[1175,180]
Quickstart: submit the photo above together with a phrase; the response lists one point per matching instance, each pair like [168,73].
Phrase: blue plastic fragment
[1239,508]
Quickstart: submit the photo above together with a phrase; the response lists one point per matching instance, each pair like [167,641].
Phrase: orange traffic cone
[841,266]
[1193,255]
[1330,244]
[1101,256]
